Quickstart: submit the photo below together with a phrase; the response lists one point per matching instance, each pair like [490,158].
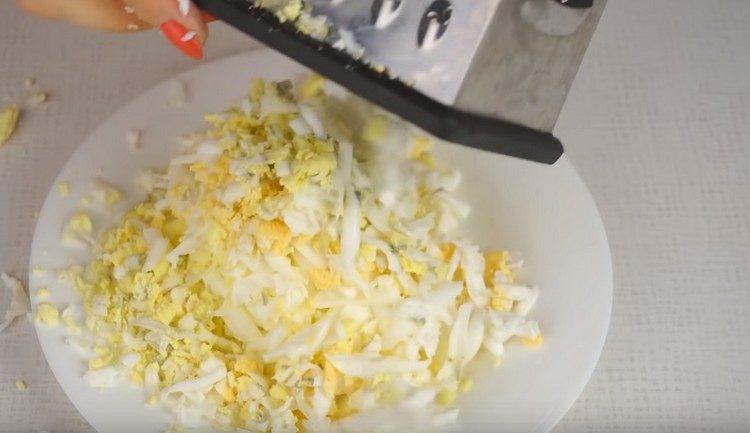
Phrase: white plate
[544,212]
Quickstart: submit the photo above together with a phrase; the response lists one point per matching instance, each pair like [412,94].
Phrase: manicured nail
[181,38]
[184,6]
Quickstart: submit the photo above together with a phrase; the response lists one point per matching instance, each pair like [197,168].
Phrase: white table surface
[658,122]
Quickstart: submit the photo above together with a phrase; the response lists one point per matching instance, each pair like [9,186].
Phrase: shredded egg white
[296,268]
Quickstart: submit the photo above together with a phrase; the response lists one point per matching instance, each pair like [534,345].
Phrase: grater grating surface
[429,44]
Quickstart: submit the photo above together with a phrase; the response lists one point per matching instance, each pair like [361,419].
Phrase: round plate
[544,212]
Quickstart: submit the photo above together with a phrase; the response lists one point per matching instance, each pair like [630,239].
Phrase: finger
[107,15]
[207,17]
[184,12]
[180,21]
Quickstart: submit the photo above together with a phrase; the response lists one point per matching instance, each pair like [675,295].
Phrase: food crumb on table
[133,137]
[38,98]
[19,302]
[8,122]
[20,385]
[177,94]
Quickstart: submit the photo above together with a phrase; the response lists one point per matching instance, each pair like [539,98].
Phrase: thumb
[180,21]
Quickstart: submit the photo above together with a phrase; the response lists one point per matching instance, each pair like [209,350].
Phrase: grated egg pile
[296,268]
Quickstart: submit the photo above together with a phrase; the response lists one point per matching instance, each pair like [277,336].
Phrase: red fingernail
[179,36]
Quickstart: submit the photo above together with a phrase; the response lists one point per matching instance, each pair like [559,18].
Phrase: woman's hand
[179,20]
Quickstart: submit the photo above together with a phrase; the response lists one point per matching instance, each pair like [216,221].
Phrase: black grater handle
[577,4]
[443,121]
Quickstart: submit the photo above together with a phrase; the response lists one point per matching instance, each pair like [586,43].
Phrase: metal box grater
[428,47]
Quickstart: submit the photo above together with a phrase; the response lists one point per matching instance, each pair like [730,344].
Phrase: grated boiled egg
[288,274]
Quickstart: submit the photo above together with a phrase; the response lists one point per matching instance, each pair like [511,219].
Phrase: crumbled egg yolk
[48,314]
[446,397]
[312,86]
[291,11]
[375,129]
[42,294]
[105,193]
[8,122]
[80,222]
[466,385]
[78,228]
[234,278]
[63,188]
[533,342]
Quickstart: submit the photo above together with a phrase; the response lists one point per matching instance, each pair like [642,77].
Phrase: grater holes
[434,23]
[383,12]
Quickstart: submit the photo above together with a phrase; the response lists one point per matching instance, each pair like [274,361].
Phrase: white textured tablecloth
[658,122]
